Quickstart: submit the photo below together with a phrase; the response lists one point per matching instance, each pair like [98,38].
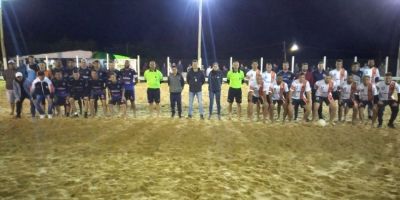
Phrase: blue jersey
[85,73]
[128,77]
[287,77]
[60,87]
[115,89]
[77,86]
[96,85]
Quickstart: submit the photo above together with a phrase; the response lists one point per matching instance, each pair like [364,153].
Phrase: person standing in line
[176,84]
[9,76]
[215,80]
[153,78]
[195,79]
[235,78]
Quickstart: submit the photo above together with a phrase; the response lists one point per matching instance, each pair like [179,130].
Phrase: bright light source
[294,47]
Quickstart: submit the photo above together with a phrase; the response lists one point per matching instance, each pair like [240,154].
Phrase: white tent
[63,54]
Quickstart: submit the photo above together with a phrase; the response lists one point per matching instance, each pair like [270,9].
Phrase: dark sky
[239,28]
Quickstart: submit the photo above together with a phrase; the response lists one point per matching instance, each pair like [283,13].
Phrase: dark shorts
[60,100]
[130,95]
[336,95]
[116,101]
[346,103]
[153,95]
[235,95]
[391,103]
[279,102]
[363,104]
[96,95]
[77,96]
[257,100]
[320,100]
[298,102]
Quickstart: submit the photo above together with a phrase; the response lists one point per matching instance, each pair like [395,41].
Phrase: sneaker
[379,126]
[219,117]
[180,115]
[172,115]
[75,115]
[42,116]
[189,117]
[86,115]
[201,116]
[50,116]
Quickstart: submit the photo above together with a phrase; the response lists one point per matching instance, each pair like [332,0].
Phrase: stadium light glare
[294,47]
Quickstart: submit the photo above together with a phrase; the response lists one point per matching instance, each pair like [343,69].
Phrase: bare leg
[230,110]
[158,109]
[239,110]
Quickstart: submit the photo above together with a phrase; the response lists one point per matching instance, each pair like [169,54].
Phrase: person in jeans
[21,92]
[42,89]
[176,84]
[214,88]
[195,79]
[9,76]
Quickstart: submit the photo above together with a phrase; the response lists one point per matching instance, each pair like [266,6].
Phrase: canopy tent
[103,55]
[63,54]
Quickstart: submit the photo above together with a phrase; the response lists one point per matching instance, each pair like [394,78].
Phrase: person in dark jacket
[78,91]
[214,87]
[176,84]
[42,89]
[9,76]
[21,92]
[195,79]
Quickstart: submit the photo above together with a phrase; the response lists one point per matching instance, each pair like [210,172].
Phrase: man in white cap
[9,76]
[21,92]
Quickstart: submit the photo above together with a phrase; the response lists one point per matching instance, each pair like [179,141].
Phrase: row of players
[266,90]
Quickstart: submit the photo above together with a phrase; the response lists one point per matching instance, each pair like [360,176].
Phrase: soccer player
[324,94]
[299,95]
[78,91]
[235,78]
[356,73]
[279,97]
[176,84]
[251,77]
[129,78]
[287,75]
[318,74]
[60,93]
[258,97]
[116,94]
[153,78]
[111,70]
[347,99]
[42,88]
[214,87]
[195,79]
[96,87]
[269,78]
[373,71]
[367,96]
[339,75]
[387,97]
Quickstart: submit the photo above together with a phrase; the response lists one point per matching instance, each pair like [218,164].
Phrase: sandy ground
[163,158]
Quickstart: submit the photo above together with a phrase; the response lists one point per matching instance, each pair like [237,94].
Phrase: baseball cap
[11,61]
[18,74]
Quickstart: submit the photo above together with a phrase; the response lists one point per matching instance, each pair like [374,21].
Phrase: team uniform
[60,92]
[235,80]
[287,77]
[116,72]
[338,76]
[269,81]
[373,73]
[367,95]
[347,94]
[279,91]
[324,91]
[251,75]
[78,88]
[153,79]
[96,89]
[299,90]
[84,73]
[116,91]
[128,77]
[357,77]
[387,98]
[258,92]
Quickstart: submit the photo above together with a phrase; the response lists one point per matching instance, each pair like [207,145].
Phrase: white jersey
[251,76]
[278,90]
[365,90]
[323,88]
[346,90]
[387,92]
[297,88]
[373,73]
[255,88]
[338,76]
[269,77]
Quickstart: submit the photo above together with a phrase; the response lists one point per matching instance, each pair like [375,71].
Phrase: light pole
[3,48]
[199,34]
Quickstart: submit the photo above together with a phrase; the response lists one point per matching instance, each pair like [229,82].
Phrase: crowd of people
[62,88]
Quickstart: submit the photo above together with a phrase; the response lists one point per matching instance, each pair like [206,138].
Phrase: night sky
[240,28]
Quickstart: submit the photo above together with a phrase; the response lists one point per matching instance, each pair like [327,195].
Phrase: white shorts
[10,96]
